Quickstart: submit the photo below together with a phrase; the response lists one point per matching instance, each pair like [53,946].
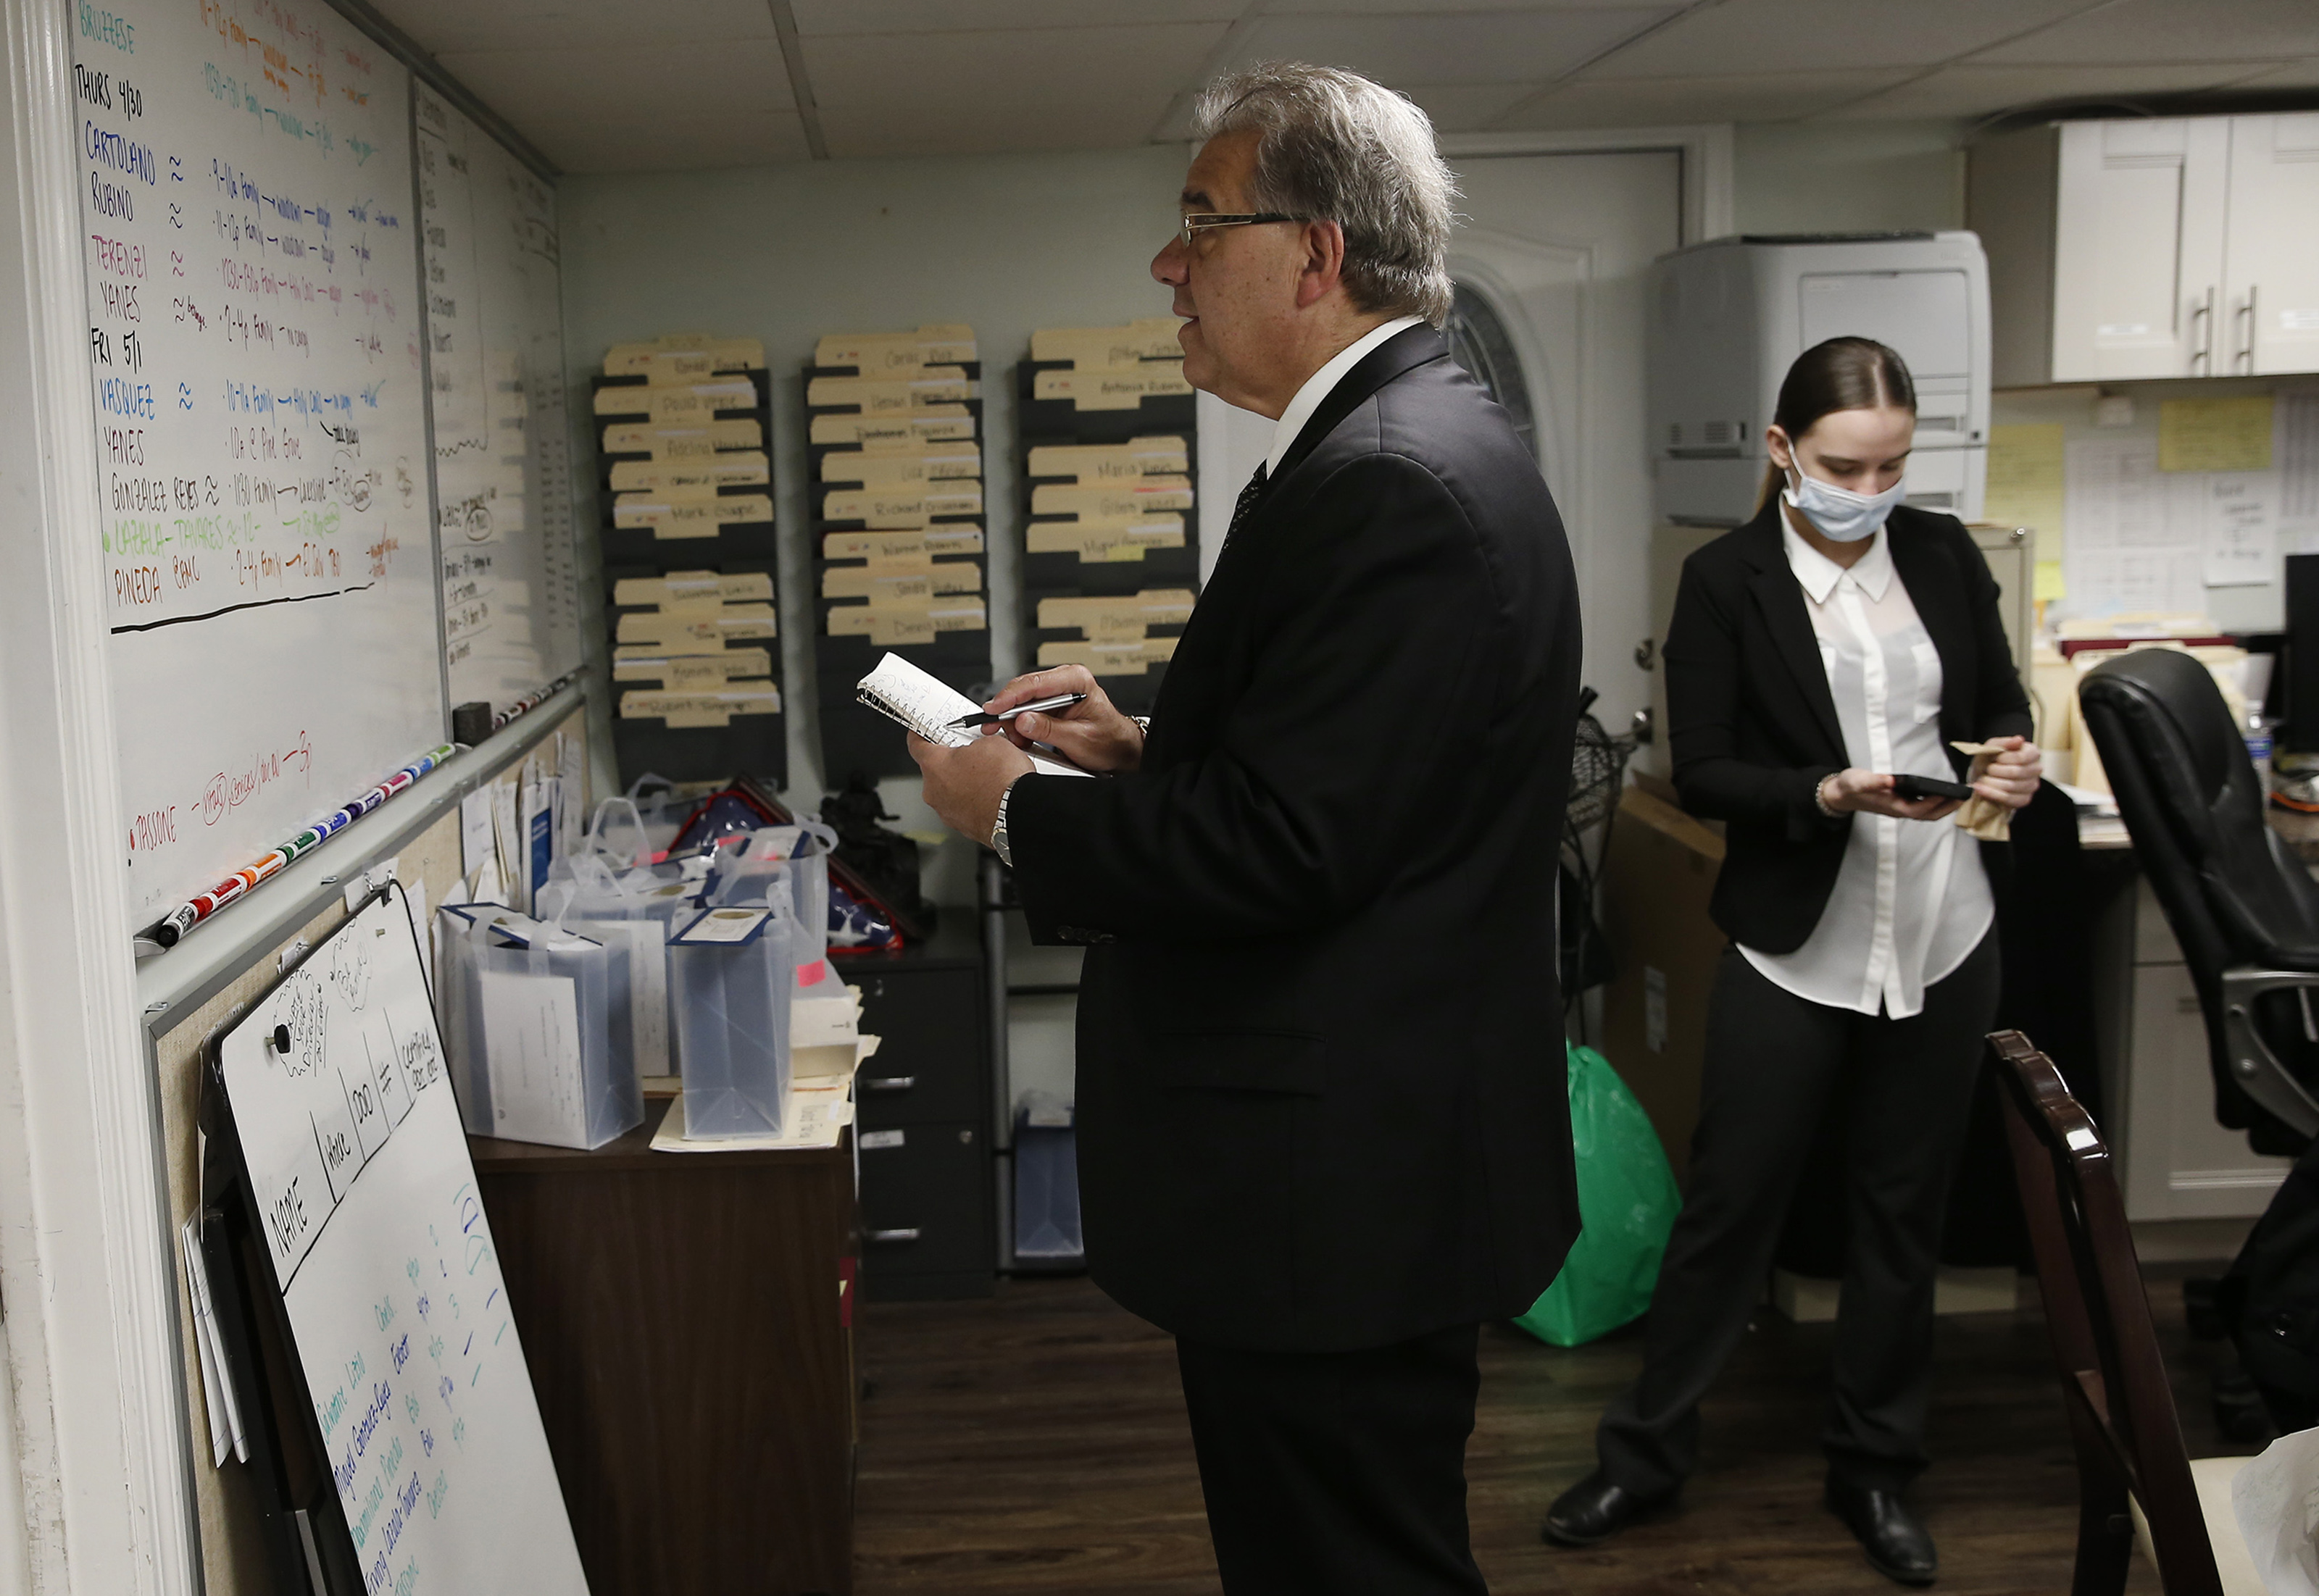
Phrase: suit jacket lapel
[1410,348]
[1781,599]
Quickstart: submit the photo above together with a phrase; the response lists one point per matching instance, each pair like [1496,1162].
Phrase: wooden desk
[687,1320]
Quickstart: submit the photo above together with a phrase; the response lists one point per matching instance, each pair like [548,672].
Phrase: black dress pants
[1777,1063]
[1336,1473]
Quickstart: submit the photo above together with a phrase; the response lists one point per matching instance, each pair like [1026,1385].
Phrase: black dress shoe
[1593,1510]
[1897,1546]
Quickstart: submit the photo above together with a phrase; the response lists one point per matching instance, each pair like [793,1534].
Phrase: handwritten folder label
[664,628]
[893,396]
[733,468]
[903,621]
[679,588]
[920,578]
[691,512]
[1134,657]
[696,442]
[1113,501]
[688,401]
[944,344]
[905,544]
[1118,619]
[702,708]
[1112,463]
[1104,542]
[688,672]
[1117,389]
[1151,337]
[902,508]
[698,356]
[886,470]
[926,423]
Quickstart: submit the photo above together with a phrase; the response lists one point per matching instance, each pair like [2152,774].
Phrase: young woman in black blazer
[1835,641]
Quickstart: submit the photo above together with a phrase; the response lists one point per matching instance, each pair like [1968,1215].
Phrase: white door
[1556,246]
[2137,248]
[2272,258]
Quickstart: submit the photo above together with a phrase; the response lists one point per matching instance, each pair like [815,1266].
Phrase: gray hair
[1331,146]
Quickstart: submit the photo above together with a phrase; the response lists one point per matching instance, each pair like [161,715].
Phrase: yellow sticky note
[2026,477]
[2046,585]
[2214,434]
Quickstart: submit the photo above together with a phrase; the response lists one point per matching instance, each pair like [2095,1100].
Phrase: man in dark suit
[1324,1130]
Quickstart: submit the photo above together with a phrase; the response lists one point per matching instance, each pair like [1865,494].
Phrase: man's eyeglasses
[1201,221]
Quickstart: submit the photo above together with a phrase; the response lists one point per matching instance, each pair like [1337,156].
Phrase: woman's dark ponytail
[1838,374]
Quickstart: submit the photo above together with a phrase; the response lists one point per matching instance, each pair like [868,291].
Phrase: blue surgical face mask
[1839,514]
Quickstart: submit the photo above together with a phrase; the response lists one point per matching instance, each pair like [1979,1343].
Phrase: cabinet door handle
[2246,353]
[2202,358]
[890,1083]
[908,1234]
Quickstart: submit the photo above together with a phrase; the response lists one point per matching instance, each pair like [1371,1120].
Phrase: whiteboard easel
[354,1179]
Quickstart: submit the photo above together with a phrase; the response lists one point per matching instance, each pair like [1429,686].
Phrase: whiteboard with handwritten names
[494,310]
[366,1199]
[255,346]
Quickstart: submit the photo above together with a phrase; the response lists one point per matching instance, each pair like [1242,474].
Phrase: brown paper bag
[1992,823]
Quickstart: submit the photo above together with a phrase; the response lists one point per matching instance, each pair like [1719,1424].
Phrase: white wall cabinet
[2164,247]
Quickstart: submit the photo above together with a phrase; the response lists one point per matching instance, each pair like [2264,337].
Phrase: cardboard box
[1661,867]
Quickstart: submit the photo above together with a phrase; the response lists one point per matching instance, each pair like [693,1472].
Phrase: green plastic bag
[1627,1204]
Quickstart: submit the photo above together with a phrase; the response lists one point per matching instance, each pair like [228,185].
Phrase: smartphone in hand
[1911,789]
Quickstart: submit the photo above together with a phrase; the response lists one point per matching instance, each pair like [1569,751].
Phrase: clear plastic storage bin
[732,971]
[799,854]
[1047,1183]
[527,1012]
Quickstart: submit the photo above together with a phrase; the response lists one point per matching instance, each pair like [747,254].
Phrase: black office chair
[2246,914]
[2241,905]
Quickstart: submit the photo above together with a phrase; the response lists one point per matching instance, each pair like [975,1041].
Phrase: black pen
[1059,702]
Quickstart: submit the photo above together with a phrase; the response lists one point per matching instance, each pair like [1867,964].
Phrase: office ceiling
[607,85]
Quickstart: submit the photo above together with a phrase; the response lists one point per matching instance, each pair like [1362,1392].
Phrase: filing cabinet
[923,1119]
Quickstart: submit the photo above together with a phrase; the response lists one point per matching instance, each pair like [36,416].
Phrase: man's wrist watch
[998,828]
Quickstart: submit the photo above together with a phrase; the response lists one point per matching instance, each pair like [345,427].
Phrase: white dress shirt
[1911,899]
[1317,386]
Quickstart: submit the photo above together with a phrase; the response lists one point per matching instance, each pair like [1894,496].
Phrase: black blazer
[1322,1102]
[1752,724]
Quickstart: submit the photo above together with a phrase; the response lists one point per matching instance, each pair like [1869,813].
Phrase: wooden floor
[1036,1443]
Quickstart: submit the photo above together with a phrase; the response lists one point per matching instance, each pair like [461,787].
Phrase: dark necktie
[1246,502]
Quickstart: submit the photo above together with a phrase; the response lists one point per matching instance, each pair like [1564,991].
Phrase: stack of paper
[826,1047]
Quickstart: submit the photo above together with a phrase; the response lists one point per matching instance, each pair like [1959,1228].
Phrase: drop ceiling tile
[444,27]
[1976,91]
[1491,46]
[817,17]
[1043,88]
[1436,7]
[1467,107]
[1806,35]
[2302,73]
[551,85]
[2169,32]
[1785,97]
[632,143]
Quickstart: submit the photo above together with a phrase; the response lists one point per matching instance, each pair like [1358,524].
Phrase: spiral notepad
[924,703]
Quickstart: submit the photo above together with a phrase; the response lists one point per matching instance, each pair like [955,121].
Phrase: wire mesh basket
[1598,771]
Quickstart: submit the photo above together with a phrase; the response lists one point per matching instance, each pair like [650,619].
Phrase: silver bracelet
[1819,796]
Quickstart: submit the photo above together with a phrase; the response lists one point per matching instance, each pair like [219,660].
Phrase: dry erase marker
[192,913]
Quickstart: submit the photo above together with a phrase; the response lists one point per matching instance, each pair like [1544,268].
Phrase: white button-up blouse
[1910,900]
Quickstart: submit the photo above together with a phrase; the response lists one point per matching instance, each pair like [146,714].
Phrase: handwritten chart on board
[385,1260]
[254,340]
[495,335]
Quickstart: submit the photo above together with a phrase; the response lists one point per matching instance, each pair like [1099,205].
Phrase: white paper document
[532,1034]
[2274,1497]
[816,1115]
[2242,526]
[926,703]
